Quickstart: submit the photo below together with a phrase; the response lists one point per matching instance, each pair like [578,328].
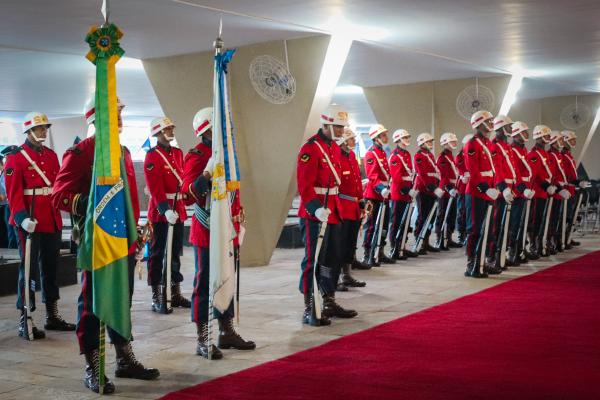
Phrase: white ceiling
[400,42]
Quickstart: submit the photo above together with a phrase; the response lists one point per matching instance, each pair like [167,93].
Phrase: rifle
[425,226]
[166,303]
[483,243]
[505,225]
[445,238]
[524,226]
[376,240]
[548,212]
[404,230]
[574,219]
[316,311]
[563,228]
[27,273]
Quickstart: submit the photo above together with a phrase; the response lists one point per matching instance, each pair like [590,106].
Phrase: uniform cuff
[162,207]
[521,187]
[405,190]
[201,186]
[312,206]
[20,217]
[501,186]
[431,187]
[544,185]
[483,187]
[379,188]
[449,187]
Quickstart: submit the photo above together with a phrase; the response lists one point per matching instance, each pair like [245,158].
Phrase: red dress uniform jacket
[75,177]
[377,171]
[351,187]
[570,170]
[462,169]
[448,172]
[315,175]
[428,174]
[506,175]
[555,160]
[478,160]
[401,170]
[522,167]
[542,174]
[197,189]
[163,183]
[21,177]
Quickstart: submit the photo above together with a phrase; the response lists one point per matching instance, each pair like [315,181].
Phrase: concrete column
[268,136]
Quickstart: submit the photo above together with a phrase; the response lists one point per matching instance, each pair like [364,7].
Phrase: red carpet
[537,337]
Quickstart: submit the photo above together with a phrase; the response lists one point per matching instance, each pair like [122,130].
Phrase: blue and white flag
[225,181]
[146,146]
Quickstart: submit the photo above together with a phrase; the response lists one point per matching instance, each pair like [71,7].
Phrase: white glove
[528,193]
[551,190]
[413,193]
[453,192]
[171,216]
[210,166]
[28,225]
[438,192]
[465,178]
[492,193]
[385,193]
[508,195]
[585,184]
[564,194]
[322,214]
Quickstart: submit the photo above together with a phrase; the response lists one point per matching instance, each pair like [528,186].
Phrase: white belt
[385,182]
[407,178]
[487,173]
[434,174]
[562,183]
[452,181]
[509,180]
[525,179]
[323,191]
[43,191]
[171,196]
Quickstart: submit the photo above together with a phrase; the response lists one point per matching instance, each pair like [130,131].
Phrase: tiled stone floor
[270,315]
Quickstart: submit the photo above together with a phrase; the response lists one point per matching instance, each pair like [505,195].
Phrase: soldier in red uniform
[70,194]
[515,253]
[163,169]
[377,193]
[562,194]
[461,186]
[576,186]
[448,181]
[30,174]
[351,207]
[197,185]
[318,174]
[480,191]
[505,180]
[427,183]
[403,194]
[542,185]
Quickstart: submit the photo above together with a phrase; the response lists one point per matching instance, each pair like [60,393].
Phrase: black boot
[462,238]
[452,244]
[177,299]
[574,243]
[129,367]
[54,321]
[491,266]
[308,317]
[512,259]
[341,287]
[439,243]
[368,260]
[348,280]
[410,254]
[202,344]
[37,333]
[473,269]
[359,265]
[383,259]
[230,339]
[395,254]
[428,246]
[90,380]
[157,299]
[333,309]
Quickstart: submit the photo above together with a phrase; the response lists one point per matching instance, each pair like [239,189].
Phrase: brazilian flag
[110,228]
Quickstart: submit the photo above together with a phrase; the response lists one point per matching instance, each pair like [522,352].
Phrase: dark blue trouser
[497,226]
[349,232]
[329,258]
[476,209]
[516,224]
[424,204]
[11,230]
[441,213]
[398,219]
[45,250]
[200,294]
[461,214]
[157,253]
[537,218]
[88,325]
[371,224]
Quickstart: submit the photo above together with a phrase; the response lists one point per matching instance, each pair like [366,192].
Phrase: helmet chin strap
[170,138]
[37,139]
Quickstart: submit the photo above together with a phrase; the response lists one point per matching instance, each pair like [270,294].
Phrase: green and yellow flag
[110,228]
